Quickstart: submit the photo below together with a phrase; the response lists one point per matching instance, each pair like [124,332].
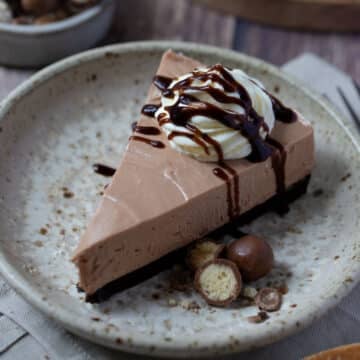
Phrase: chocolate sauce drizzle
[147,130]
[149,110]
[278,161]
[249,124]
[104,170]
[154,143]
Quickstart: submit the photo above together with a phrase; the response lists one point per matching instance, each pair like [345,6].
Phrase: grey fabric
[10,333]
[26,333]
[25,349]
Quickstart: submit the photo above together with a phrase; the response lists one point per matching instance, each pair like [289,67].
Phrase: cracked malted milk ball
[218,282]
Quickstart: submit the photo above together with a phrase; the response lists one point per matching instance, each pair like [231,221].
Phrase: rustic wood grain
[337,15]
[174,20]
[278,46]
[182,20]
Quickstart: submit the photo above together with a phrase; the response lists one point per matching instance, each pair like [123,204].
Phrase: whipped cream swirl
[215,114]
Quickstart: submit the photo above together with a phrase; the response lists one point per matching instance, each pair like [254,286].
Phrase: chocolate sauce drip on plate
[154,143]
[104,170]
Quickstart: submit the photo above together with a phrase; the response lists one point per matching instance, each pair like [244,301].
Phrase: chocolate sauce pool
[104,170]
[248,124]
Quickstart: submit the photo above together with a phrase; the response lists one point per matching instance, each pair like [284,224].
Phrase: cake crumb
[172,302]
[249,292]
[192,306]
[345,177]
[261,317]
[68,194]
[155,296]
[268,299]
[294,230]
[167,324]
[283,289]
[318,192]
[43,231]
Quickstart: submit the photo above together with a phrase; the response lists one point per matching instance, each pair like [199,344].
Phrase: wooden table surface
[182,20]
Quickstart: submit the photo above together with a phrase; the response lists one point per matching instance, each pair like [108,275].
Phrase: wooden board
[339,15]
[346,352]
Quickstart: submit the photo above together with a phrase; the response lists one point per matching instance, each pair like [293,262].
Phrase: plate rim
[140,345]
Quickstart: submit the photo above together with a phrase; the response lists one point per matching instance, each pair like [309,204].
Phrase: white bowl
[37,45]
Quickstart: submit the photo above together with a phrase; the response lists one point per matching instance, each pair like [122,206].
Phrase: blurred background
[189,21]
[327,28]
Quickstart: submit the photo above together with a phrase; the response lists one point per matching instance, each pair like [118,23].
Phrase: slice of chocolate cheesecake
[181,176]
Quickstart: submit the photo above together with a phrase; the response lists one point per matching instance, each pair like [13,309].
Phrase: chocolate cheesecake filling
[177,257]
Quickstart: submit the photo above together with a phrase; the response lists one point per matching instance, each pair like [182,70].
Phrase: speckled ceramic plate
[78,112]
